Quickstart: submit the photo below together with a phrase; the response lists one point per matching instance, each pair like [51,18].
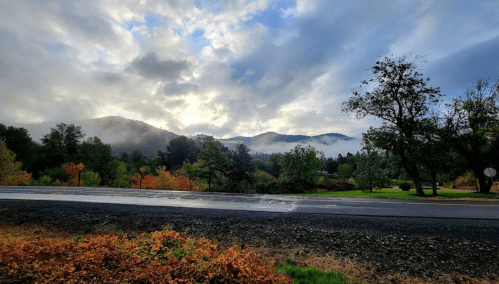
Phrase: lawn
[411,194]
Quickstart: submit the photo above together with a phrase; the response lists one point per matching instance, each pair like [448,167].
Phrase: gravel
[420,247]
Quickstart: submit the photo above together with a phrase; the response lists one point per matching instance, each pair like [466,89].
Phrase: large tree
[240,165]
[472,126]
[97,157]
[401,98]
[61,144]
[301,165]
[181,149]
[213,159]
[19,141]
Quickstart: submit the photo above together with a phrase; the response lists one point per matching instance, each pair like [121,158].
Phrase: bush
[158,257]
[335,185]
[466,181]
[405,185]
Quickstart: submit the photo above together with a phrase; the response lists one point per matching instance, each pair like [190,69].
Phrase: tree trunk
[209,181]
[485,183]
[434,182]
[419,188]
[414,174]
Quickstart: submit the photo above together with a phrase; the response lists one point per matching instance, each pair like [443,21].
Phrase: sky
[228,68]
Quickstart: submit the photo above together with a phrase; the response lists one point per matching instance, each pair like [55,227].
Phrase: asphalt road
[486,210]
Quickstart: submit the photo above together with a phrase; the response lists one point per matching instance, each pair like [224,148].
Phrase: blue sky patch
[274,16]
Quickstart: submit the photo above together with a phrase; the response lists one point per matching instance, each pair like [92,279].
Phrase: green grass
[310,275]
[399,194]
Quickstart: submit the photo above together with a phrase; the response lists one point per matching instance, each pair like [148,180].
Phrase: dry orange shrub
[159,257]
[23,178]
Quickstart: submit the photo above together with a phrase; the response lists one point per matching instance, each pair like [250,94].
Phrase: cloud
[150,66]
[229,68]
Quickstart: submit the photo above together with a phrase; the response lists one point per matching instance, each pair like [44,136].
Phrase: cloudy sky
[227,68]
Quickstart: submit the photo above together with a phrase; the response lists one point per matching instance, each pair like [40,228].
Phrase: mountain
[272,138]
[331,144]
[126,135]
[121,133]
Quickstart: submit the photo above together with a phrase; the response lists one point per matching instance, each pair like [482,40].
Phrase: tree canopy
[401,98]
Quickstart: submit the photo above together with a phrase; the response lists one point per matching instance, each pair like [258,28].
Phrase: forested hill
[126,135]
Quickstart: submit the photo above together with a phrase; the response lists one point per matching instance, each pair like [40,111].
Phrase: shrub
[405,185]
[90,178]
[158,257]
[466,181]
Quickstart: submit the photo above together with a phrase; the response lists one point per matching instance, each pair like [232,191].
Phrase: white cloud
[85,59]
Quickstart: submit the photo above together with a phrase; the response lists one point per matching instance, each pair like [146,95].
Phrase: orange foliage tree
[73,172]
[183,183]
[148,181]
[165,180]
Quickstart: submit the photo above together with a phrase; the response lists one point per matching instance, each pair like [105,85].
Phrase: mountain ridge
[126,135]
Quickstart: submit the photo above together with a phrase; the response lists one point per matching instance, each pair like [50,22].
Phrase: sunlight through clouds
[229,68]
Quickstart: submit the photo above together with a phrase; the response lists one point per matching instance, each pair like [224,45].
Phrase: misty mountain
[126,135]
[273,138]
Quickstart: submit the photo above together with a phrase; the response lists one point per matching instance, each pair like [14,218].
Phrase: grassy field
[411,194]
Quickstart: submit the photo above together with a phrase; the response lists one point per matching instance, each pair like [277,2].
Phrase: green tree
[401,98]
[345,171]
[240,166]
[472,125]
[332,166]
[301,165]
[60,145]
[370,172]
[8,164]
[97,157]
[213,160]
[19,141]
[121,177]
[181,149]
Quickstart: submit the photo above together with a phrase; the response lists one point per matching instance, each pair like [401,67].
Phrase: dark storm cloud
[150,66]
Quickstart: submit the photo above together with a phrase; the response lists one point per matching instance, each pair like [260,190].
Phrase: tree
[332,166]
[61,144]
[240,166]
[345,171]
[8,164]
[97,157]
[472,126]
[213,158]
[19,141]
[370,173]
[401,98]
[181,149]
[121,180]
[301,165]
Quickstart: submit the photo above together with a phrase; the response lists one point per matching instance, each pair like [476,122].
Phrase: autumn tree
[401,98]
[73,172]
[9,167]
